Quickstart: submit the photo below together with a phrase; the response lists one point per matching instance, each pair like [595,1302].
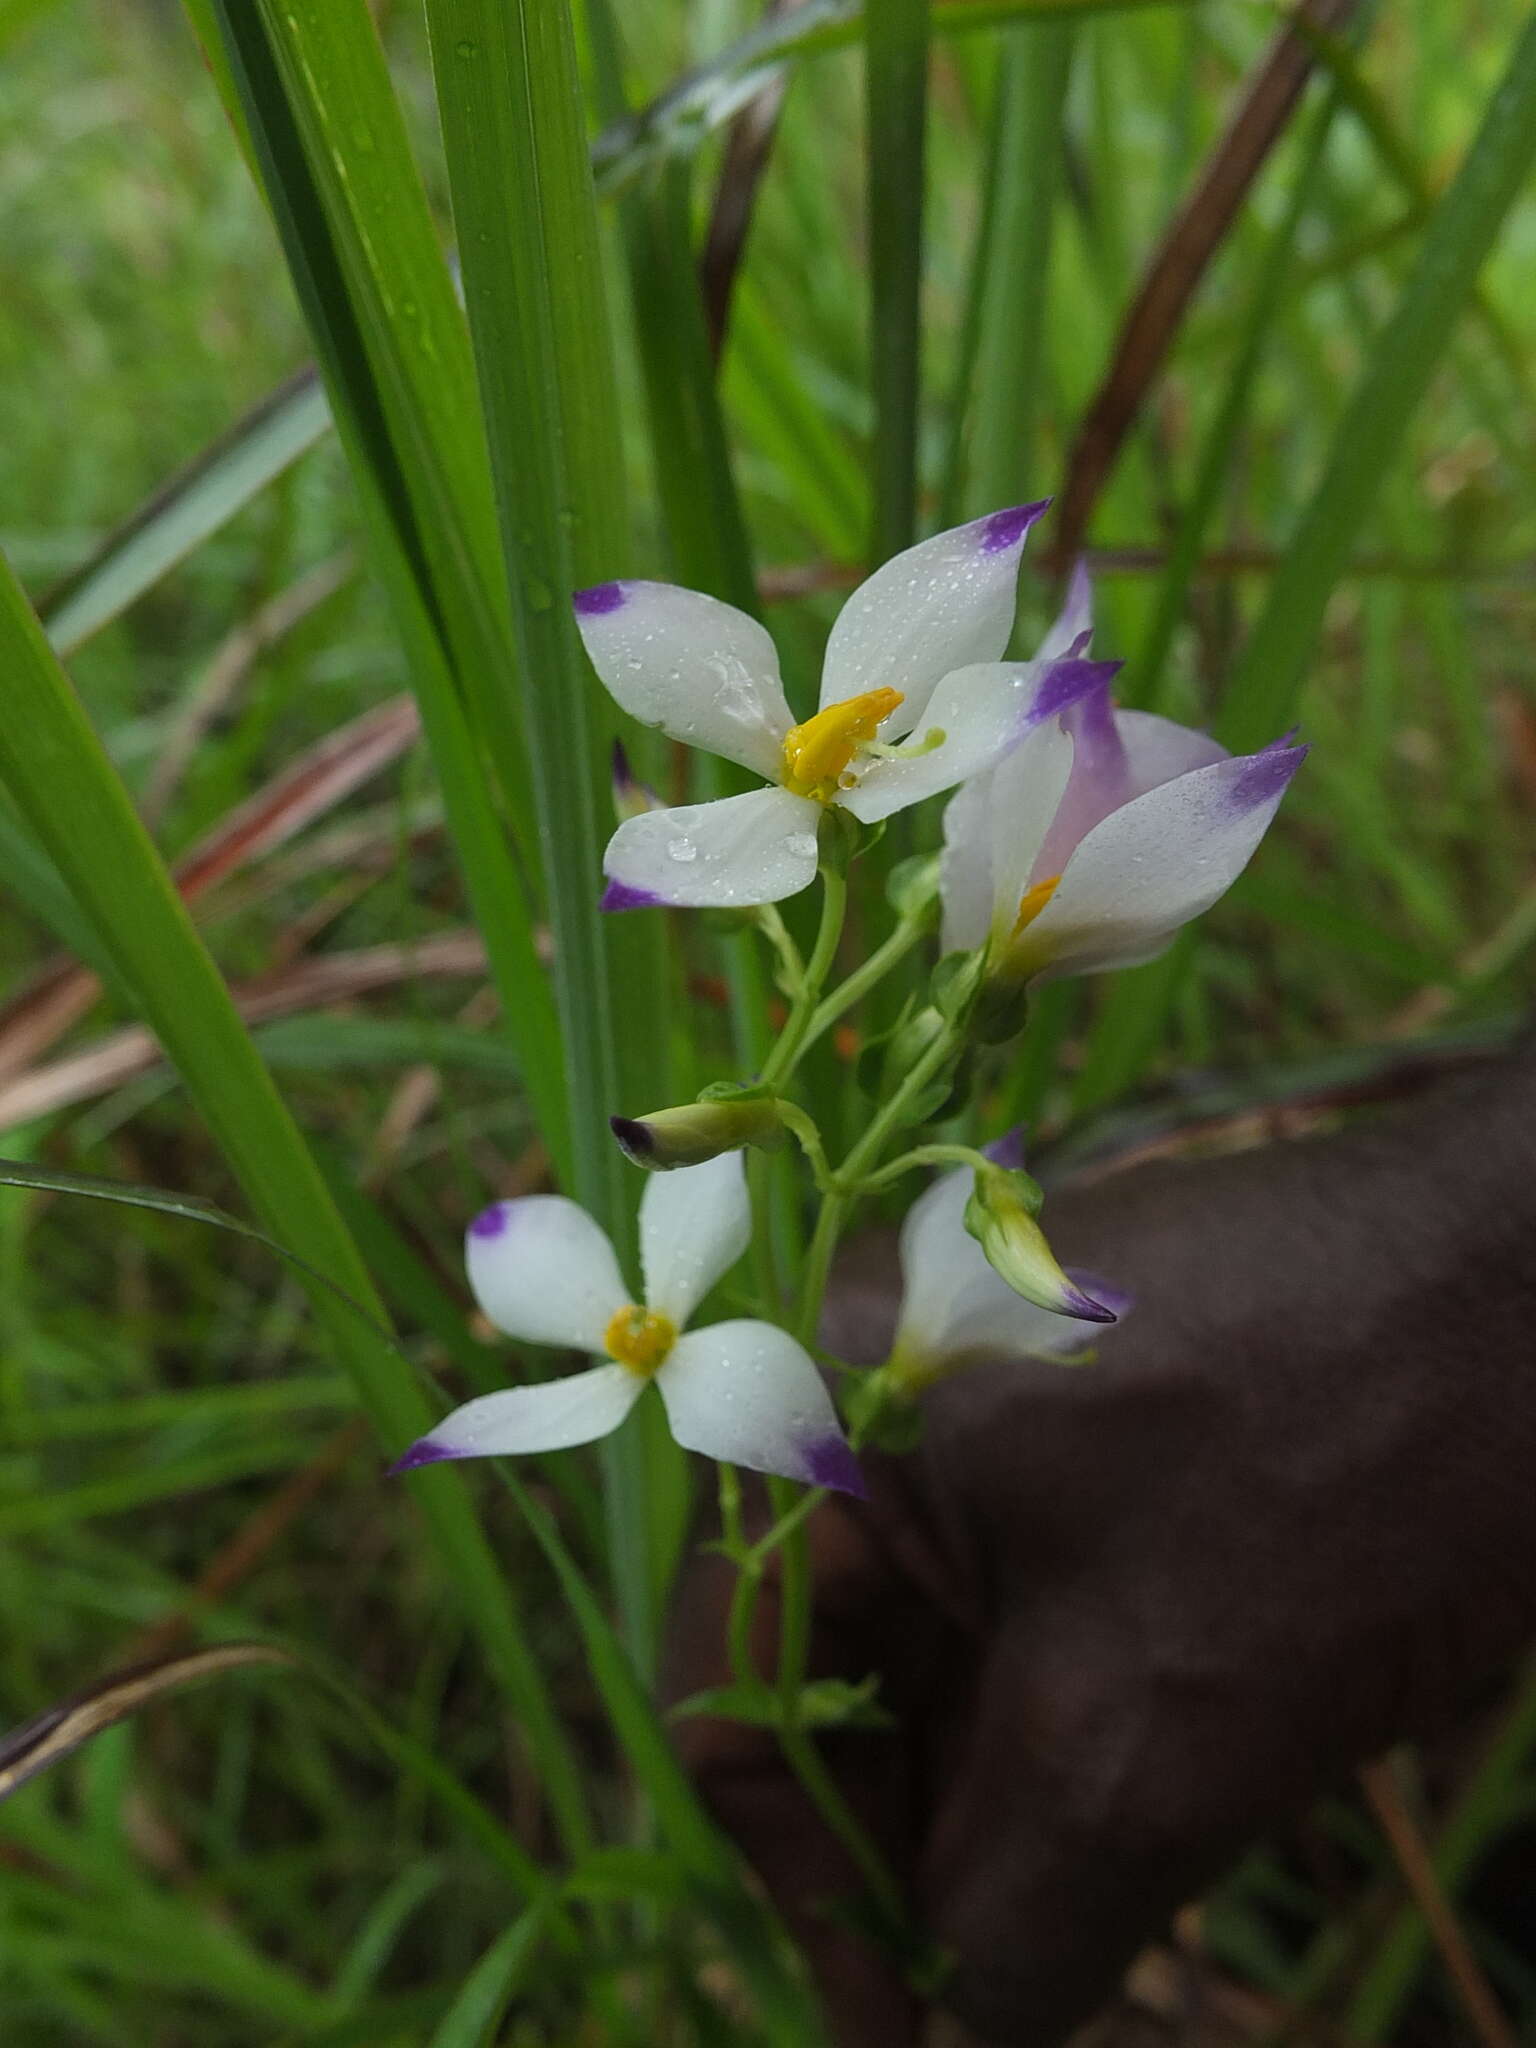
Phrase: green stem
[806,1761]
[863,979]
[922,1155]
[834,908]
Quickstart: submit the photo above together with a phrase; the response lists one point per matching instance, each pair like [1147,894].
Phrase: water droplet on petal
[682,849]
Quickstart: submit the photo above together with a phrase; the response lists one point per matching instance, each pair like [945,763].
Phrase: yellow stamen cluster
[817,753]
[639,1338]
[1033,901]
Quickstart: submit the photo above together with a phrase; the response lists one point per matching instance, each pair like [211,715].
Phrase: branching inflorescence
[1079,837]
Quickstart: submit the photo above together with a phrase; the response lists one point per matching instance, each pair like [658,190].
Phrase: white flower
[954,1306]
[1102,832]
[542,1270]
[914,657]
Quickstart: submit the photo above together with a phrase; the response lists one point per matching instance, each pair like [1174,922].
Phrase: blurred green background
[244,1865]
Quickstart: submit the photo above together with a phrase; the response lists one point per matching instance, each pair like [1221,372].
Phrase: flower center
[817,753]
[639,1338]
[1033,901]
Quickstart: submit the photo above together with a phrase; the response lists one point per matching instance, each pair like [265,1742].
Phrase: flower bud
[1000,1215]
[696,1131]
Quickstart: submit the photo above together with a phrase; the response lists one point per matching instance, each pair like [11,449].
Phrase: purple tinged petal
[1008,1150]
[620,896]
[493,1221]
[599,598]
[1068,680]
[423,1452]
[830,1462]
[1085,1309]
[1118,1301]
[1006,529]
[1265,776]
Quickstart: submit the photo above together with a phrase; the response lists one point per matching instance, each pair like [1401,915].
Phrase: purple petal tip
[620,896]
[1087,1310]
[829,1462]
[634,1140]
[1264,777]
[1008,1150]
[600,598]
[1003,530]
[1115,1301]
[1068,680]
[491,1222]
[423,1453]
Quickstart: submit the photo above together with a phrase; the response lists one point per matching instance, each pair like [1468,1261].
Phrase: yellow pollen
[817,753]
[1033,901]
[639,1338]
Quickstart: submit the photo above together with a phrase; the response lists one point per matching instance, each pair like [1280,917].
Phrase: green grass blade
[1013,267]
[447,627]
[785,2003]
[896,78]
[63,783]
[1263,691]
[520,178]
[194,503]
[1146,676]
[474,2018]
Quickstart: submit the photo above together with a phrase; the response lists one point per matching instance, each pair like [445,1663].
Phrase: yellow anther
[1033,901]
[639,1338]
[817,753]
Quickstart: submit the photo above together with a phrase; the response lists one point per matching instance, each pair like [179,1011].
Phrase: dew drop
[802,845]
[682,849]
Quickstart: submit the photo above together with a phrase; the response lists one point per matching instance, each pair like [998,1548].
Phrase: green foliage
[1325,511]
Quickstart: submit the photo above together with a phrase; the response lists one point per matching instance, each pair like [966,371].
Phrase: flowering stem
[864,978]
[922,1155]
[792,1039]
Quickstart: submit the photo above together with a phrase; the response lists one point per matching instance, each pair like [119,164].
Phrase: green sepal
[839,838]
[955,986]
[912,887]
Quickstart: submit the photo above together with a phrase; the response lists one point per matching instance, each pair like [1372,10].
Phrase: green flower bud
[1000,1215]
[696,1131]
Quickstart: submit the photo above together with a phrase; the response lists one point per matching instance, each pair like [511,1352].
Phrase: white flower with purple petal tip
[1101,833]
[914,698]
[745,1392]
[955,1307]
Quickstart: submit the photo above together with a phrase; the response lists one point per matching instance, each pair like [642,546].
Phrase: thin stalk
[1015,265]
[896,76]
[513,131]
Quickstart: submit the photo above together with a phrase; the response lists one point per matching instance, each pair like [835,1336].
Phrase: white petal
[937,1257]
[542,1270]
[742,850]
[943,605]
[1156,750]
[550,1417]
[982,711]
[747,1393]
[986,1315]
[694,1225]
[1027,789]
[699,669]
[1072,629]
[965,871]
[1158,862]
